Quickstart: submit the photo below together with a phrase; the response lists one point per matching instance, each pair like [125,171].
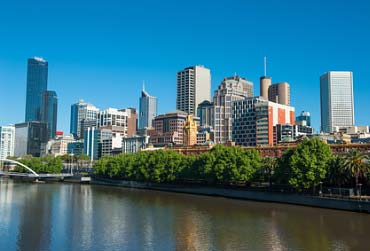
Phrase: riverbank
[295,199]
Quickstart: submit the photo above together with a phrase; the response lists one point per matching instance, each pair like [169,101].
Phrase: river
[61,216]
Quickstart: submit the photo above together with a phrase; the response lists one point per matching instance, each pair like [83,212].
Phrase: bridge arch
[21,164]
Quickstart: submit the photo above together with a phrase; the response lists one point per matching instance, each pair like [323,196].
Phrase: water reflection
[81,217]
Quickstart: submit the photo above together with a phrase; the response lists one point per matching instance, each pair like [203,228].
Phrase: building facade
[147,110]
[58,146]
[50,112]
[37,82]
[91,143]
[193,87]
[230,90]
[79,112]
[168,129]
[30,138]
[205,113]
[279,93]
[134,143]
[254,119]
[303,119]
[7,141]
[336,96]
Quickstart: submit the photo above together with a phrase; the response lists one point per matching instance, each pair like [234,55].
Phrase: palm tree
[356,164]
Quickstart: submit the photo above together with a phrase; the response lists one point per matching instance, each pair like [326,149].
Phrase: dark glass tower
[37,82]
[50,111]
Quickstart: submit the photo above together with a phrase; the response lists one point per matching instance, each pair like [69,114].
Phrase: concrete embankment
[296,199]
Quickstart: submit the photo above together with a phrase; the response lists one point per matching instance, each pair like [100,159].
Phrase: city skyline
[83,69]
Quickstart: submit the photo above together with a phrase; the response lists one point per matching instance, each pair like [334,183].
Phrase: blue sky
[100,51]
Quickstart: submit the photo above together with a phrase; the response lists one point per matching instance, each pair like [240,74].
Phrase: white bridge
[32,173]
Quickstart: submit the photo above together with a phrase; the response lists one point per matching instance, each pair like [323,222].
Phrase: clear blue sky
[100,51]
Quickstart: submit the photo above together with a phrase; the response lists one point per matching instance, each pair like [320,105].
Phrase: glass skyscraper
[82,112]
[37,81]
[336,93]
[50,110]
[148,110]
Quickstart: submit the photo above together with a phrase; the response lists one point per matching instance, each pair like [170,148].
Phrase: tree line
[307,166]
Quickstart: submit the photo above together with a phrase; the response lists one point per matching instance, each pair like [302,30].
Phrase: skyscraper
[193,87]
[7,140]
[230,90]
[147,110]
[37,81]
[50,111]
[79,112]
[336,93]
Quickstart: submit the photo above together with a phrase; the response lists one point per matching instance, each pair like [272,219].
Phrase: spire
[143,86]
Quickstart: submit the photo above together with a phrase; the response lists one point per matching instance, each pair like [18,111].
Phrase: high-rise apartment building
[131,121]
[50,111]
[279,93]
[193,87]
[265,83]
[37,82]
[79,112]
[147,110]
[230,90]
[336,95]
[7,141]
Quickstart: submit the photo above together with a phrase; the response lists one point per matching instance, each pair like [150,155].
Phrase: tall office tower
[7,141]
[30,138]
[79,112]
[50,111]
[303,119]
[336,93]
[279,93]
[231,89]
[147,110]
[205,113]
[193,87]
[37,82]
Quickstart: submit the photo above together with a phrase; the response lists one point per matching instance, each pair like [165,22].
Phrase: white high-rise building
[7,141]
[193,87]
[336,92]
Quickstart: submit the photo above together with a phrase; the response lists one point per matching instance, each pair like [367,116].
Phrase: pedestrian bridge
[32,173]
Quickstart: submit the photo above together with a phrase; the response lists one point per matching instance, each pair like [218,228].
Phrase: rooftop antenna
[265,65]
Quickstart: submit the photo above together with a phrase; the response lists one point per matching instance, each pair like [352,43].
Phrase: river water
[56,216]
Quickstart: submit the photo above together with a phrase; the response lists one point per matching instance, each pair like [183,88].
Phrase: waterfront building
[230,90]
[7,141]
[37,81]
[193,87]
[30,138]
[81,111]
[131,121]
[134,143]
[58,146]
[169,128]
[190,131]
[303,119]
[279,93]
[147,110]
[254,119]
[50,112]
[336,95]
[205,113]
[105,142]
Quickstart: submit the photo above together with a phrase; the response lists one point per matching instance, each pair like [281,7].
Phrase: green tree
[269,164]
[309,164]
[337,174]
[356,164]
